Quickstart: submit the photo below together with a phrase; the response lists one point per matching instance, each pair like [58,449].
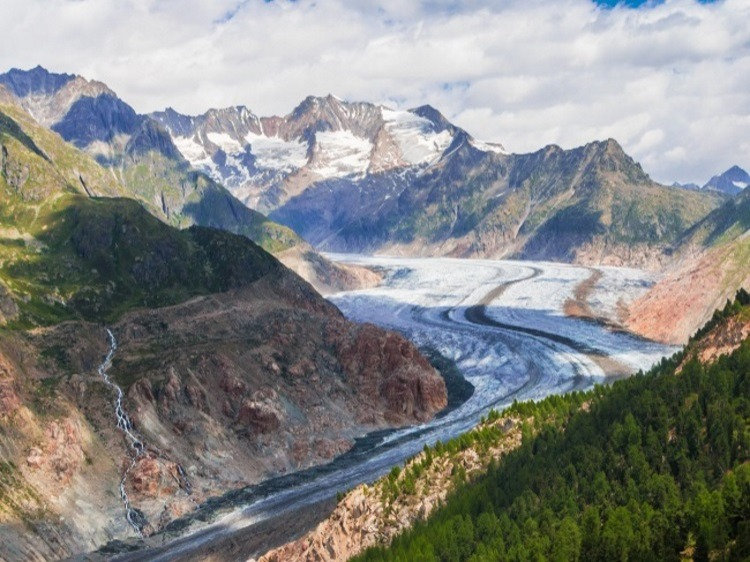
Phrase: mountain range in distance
[732,181]
[356,176]
[359,177]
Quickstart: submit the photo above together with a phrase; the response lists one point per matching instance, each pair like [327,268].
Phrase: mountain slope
[713,263]
[592,204]
[139,152]
[232,368]
[654,467]
[142,156]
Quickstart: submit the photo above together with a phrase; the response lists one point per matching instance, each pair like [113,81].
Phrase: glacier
[503,325]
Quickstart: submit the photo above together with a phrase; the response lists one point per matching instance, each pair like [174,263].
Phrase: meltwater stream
[501,322]
[125,425]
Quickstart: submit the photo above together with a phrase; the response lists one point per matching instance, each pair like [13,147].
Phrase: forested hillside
[655,467]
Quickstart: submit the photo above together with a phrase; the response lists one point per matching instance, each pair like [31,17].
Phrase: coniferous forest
[654,467]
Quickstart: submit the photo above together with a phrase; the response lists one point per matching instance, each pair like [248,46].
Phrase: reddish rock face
[688,295]
[145,477]
[285,383]
[153,477]
[391,371]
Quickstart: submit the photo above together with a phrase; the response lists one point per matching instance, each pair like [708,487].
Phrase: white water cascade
[125,425]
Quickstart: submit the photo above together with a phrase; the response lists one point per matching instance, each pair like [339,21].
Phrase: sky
[670,79]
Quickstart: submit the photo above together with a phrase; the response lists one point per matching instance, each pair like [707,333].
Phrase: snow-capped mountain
[267,160]
[362,177]
[733,181]
[137,150]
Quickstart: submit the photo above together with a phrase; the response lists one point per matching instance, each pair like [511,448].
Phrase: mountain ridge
[592,204]
[288,153]
[142,156]
[339,174]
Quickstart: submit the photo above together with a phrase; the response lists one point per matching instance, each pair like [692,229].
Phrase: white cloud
[669,82]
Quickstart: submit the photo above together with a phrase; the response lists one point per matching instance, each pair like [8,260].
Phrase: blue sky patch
[638,3]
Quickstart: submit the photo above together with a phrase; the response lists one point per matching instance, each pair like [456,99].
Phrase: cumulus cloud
[669,81]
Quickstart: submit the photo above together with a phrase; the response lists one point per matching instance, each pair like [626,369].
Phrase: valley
[170,390]
[501,323]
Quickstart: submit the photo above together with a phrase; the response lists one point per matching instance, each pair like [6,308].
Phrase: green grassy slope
[64,254]
[182,197]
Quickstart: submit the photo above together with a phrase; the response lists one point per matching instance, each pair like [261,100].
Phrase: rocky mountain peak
[47,96]
[101,118]
[735,171]
[38,80]
[316,104]
[608,156]
[733,181]
[329,113]
[431,114]
[177,124]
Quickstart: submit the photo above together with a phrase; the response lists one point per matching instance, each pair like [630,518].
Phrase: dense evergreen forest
[654,467]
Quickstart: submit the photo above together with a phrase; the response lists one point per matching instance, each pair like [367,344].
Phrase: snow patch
[225,142]
[488,147]
[198,157]
[740,184]
[341,154]
[275,153]
[416,137]
[190,149]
